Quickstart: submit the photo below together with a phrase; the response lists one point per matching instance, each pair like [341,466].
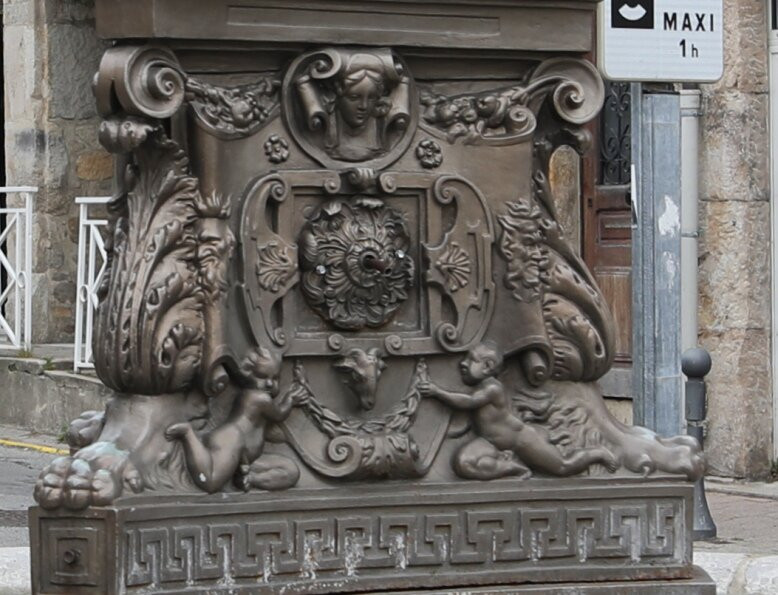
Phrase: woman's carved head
[361,90]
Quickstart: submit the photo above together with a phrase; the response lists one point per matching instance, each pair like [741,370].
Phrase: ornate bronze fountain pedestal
[351,347]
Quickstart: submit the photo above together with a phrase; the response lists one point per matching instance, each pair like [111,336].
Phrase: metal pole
[696,364]
[81,291]
[28,231]
[656,257]
[20,270]
[690,130]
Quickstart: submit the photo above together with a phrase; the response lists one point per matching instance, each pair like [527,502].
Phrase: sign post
[661,40]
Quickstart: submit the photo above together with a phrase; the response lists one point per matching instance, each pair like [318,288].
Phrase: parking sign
[661,40]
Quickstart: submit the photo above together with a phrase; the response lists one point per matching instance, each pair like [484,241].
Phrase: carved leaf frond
[149,322]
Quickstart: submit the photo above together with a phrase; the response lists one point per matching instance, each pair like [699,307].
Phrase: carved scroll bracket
[510,115]
[460,265]
[270,254]
[139,81]
[148,81]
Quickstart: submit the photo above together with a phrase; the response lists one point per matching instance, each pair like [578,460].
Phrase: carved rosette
[355,261]
[276,149]
[429,154]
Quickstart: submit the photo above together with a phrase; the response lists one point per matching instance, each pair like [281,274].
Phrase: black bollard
[696,364]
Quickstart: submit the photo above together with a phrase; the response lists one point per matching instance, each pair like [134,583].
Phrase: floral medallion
[357,271]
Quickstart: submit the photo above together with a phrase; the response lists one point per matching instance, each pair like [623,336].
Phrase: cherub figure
[215,459]
[503,438]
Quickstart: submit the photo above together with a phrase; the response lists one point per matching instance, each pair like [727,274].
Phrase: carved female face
[357,101]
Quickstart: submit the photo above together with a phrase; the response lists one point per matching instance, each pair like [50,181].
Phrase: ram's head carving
[361,370]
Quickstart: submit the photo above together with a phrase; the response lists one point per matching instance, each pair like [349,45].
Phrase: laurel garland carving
[491,115]
[509,115]
[378,447]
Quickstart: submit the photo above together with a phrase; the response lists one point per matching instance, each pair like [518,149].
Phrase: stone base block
[700,584]
[630,534]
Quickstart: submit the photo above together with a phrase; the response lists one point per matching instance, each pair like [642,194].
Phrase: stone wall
[735,248]
[51,54]
[52,398]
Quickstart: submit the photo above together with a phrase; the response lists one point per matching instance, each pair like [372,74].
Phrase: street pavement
[743,559]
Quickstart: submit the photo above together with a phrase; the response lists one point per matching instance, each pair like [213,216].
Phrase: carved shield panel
[406,269]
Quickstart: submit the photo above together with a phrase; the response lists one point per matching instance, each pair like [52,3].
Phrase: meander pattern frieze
[370,542]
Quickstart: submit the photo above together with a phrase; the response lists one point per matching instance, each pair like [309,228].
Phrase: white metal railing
[92,261]
[16,263]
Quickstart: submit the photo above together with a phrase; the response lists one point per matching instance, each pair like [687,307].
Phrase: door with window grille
[607,225]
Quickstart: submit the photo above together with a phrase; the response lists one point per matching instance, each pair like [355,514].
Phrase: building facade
[50,54]
[735,273]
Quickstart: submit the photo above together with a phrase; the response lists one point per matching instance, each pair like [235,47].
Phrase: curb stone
[761,576]
[14,571]
[740,574]
[720,566]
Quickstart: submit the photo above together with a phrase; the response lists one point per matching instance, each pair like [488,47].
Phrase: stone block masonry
[51,53]
[734,255]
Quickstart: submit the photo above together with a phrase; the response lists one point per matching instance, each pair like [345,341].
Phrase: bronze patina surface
[351,346]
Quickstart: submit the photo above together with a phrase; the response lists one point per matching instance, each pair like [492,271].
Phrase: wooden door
[607,225]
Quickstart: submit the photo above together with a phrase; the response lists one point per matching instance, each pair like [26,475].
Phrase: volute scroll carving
[139,81]
[510,115]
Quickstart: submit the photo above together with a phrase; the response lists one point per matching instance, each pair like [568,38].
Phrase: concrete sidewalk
[743,560]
